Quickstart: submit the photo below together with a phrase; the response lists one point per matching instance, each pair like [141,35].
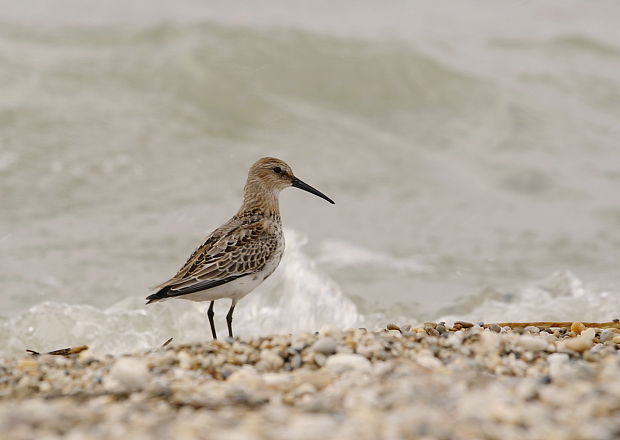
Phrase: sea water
[473,152]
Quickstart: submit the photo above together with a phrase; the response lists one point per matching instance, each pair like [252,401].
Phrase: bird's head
[275,175]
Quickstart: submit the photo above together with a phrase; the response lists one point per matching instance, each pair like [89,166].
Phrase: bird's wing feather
[236,249]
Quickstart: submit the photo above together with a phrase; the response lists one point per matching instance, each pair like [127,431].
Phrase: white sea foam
[341,254]
[560,297]
[296,298]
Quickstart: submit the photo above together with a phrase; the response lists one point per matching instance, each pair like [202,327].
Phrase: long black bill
[302,185]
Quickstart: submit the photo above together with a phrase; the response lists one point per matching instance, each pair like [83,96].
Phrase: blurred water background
[472,148]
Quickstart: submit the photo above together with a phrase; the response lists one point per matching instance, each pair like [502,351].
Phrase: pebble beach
[468,381]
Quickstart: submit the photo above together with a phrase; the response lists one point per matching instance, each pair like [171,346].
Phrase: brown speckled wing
[235,249]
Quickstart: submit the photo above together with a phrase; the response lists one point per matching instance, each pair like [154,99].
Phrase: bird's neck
[257,197]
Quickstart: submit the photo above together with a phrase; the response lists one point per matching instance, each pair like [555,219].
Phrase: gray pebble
[606,335]
[495,328]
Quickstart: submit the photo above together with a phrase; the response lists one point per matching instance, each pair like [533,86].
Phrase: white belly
[238,288]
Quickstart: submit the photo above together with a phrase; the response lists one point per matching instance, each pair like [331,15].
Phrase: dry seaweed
[62,352]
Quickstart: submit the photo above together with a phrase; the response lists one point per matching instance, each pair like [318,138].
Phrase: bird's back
[244,245]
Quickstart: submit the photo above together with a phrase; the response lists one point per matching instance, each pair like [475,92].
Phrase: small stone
[185,360]
[303,389]
[428,361]
[606,335]
[463,324]
[558,365]
[527,389]
[129,373]
[405,327]
[577,327]
[28,365]
[532,343]
[326,346]
[319,379]
[296,361]
[532,329]
[580,343]
[441,328]
[393,327]
[270,360]
[430,325]
[495,328]
[319,359]
[340,363]
[432,332]
[616,340]
[44,386]
[545,380]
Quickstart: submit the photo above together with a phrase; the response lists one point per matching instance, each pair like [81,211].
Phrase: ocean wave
[296,298]
[341,254]
[560,297]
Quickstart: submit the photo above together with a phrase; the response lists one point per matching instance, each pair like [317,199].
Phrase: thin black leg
[229,318]
[210,314]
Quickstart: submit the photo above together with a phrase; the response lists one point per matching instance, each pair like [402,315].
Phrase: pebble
[128,373]
[580,343]
[531,343]
[185,360]
[320,359]
[495,328]
[405,327]
[29,365]
[325,346]
[341,363]
[606,335]
[432,332]
[577,327]
[269,361]
[348,385]
[393,327]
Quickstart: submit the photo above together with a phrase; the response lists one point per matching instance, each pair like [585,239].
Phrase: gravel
[465,382]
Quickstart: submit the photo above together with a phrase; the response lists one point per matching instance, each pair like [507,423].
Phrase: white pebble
[531,343]
[185,360]
[325,346]
[339,363]
[580,343]
[128,373]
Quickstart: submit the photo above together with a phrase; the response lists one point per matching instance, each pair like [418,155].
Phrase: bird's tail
[158,296]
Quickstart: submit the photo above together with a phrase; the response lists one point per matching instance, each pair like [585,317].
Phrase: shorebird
[239,255]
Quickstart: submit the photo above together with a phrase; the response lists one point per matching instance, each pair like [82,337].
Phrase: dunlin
[243,252]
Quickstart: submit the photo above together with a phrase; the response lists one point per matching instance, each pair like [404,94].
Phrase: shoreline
[462,382]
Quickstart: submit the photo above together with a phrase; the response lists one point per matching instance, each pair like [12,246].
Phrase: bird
[239,255]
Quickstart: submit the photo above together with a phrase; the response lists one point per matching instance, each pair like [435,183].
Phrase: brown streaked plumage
[244,251]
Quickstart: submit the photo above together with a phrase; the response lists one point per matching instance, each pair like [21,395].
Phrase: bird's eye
[277,170]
